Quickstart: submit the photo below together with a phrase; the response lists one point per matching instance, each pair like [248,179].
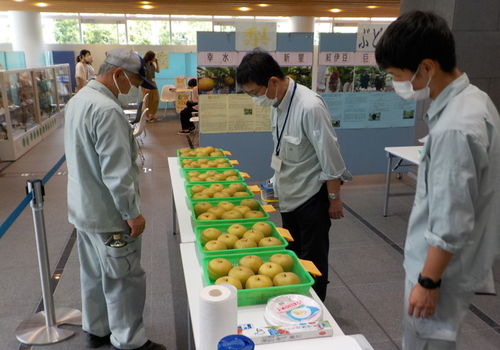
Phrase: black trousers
[309,226]
[185,115]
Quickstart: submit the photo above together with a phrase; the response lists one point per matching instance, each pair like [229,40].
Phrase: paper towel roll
[218,314]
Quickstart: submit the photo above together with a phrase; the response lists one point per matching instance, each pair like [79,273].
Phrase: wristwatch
[333,196]
[427,283]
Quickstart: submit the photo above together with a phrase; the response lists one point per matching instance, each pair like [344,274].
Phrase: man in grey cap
[103,200]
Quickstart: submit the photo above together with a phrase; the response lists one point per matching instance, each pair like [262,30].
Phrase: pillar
[27,36]
[301,24]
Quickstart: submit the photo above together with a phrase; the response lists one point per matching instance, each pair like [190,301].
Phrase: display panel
[21,101]
[63,85]
[4,135]
[46,92]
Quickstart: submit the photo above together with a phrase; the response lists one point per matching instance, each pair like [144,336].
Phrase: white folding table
[194,280]
[410,154]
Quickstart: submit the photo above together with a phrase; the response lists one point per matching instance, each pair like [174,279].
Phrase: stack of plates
[290,309]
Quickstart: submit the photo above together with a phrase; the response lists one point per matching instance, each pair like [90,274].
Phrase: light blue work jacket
[457,202]
[103,176]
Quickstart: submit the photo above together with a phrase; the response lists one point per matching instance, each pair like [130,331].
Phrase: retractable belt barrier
[24,203]
[42,328]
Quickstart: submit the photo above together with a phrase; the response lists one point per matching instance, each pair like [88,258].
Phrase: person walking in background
[306,159]
[103,200]
[453,235]
[191,106]
[83,70]
[154,98]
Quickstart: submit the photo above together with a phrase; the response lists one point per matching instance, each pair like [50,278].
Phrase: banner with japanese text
[250,35]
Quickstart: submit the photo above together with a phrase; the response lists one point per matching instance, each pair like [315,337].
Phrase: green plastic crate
[223,228]
[250,194]
[262,295]
[204,170]
[179,153]
[231,200]
[209,158]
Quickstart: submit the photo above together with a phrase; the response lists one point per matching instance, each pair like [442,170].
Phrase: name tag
[276,163]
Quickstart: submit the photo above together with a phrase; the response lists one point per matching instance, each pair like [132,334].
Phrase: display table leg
[387,183]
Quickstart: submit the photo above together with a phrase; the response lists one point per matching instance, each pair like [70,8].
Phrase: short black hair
[413,37]
[258,67]
[192,82]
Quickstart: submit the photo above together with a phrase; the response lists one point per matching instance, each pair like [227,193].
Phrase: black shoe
[94,342]
[191,128]
[148,346]
[184,132]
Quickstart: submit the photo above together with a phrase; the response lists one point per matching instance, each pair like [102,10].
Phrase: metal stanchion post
[42,327]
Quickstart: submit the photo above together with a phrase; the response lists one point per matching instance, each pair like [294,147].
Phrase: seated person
[191,106]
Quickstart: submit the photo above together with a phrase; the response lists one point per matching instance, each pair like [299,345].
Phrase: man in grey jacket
[103,199]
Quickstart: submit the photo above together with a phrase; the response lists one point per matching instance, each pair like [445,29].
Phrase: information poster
[370,110]
[162,58]
[232,113]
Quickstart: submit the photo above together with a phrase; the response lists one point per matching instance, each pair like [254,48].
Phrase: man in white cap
[103,200]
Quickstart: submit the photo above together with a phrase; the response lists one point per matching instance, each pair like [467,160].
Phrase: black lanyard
[278,136]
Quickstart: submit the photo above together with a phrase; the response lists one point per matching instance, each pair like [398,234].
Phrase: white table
[410,154]
[194,280]
[193,275]
[180,206]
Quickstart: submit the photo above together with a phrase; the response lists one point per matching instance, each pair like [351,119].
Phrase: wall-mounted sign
[250,35]
[369,35]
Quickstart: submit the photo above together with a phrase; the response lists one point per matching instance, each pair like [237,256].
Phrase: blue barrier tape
[19,209]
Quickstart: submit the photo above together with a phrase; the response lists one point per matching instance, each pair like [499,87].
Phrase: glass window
[184,32]
[104,33]
[4,28]
[164,33]
[346,29]
[60,31]
[321,27]
[140,32]
[224,27]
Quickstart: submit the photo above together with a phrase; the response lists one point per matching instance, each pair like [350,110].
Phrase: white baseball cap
[131,61]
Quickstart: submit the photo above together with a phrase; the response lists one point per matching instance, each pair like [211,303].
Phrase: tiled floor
[365,294]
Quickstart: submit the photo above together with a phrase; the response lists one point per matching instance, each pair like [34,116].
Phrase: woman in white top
[83,70]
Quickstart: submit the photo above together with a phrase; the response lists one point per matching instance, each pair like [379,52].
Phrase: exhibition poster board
[358,94]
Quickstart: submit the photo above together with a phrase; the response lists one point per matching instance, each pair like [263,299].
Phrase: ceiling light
[263,5]
[244,8]
[335,10]
[145,2]
[147,7]
[372,7]
[41,4]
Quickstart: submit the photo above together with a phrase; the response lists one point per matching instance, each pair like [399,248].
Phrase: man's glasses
[254,94]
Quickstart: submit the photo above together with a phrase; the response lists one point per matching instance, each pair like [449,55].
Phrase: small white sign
[217,58]
[294,58]
[365,59]
[369,35]
[336,59]
[250,35]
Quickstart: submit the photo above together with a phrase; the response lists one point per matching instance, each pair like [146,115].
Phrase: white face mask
[265,101]
[405,89]
[131,96]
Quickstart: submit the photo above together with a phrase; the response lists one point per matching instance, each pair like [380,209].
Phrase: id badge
[276,163]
